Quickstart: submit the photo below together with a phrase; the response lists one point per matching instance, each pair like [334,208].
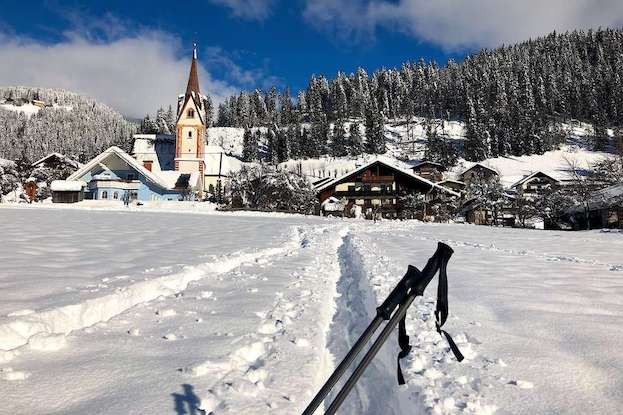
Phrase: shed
[67,191]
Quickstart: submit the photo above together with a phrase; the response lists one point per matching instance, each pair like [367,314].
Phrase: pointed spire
[193,78]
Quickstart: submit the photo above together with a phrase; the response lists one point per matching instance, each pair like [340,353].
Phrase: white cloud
[247,9]
[134,74]
[456,24]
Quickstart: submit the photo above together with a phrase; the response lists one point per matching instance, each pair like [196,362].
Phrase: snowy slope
[250,314]
[406,143]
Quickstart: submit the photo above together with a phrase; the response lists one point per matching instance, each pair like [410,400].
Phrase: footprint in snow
[522,384]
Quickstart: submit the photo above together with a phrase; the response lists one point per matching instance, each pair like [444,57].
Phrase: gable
[190,103]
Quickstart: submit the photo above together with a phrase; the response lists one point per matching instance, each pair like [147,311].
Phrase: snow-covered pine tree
[375,137]
[339,144]
[249,146]
[355,139]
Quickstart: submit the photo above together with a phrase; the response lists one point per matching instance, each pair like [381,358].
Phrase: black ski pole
[383,312]
[412,279]
[418,284]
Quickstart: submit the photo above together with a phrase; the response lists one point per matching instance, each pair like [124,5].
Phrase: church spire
[193,78]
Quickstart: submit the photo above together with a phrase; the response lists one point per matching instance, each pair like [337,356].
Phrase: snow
[30,109]
[162,310]
[7,163]
[555,163]
[67,185]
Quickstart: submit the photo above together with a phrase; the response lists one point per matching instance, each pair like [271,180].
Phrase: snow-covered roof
[452,181]
[405,172]
[428,163]
[219,163]
[481,166]
[125,157]
[530,176]
[60,156]
[176,179]
[67,185]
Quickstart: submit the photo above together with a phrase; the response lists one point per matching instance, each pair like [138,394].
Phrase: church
[160,167]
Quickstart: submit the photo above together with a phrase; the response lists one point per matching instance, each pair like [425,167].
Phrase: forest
[511,98]
[69,124]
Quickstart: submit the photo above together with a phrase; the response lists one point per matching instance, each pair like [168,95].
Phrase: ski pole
[437,262]
[397,296]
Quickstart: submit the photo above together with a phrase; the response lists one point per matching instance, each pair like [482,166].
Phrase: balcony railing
[363,194]
[377,179]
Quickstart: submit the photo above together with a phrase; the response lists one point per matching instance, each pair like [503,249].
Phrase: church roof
[193,77]
[192,89]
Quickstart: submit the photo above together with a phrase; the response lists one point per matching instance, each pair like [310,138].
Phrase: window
[131,176]
[104,194]
[190,134]
[133,195]
[191,113]
[115,195]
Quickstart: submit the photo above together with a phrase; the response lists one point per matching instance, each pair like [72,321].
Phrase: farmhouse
[478,172]
[377,187]
[56,161]
[429,170]
[535,184]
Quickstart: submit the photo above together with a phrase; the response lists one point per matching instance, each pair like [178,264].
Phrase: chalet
[56,161]
[478,172]
[454,185]
[429,170]
[475,212]
[377,187]
[535,184]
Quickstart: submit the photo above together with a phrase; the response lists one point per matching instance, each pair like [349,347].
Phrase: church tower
[191,126]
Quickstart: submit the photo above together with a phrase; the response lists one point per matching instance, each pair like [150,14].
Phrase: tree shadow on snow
[187,403]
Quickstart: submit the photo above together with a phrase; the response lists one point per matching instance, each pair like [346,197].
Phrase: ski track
[24,327]
[335,281]
[436,382]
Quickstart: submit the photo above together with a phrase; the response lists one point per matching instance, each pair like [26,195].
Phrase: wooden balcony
[377,179]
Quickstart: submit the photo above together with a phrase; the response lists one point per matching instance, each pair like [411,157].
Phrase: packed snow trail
[251,340]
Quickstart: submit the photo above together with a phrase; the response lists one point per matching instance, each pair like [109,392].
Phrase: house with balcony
[536,184]
[114,173]
[377,187]
[429,170]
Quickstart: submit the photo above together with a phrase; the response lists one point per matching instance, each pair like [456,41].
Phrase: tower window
[190,134]
[191,113]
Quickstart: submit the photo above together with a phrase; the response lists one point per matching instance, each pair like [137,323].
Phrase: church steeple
[193,77]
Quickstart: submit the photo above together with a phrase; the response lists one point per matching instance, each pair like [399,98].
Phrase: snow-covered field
[129,312]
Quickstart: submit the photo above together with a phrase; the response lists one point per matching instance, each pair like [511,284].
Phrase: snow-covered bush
[267,188]
[9,177]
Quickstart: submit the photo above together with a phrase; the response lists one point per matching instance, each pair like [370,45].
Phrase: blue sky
[134,55]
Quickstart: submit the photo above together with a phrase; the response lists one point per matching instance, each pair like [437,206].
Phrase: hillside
[512,99]
[406,146]
[38,121]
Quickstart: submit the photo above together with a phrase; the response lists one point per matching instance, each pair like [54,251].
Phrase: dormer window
[191,113]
